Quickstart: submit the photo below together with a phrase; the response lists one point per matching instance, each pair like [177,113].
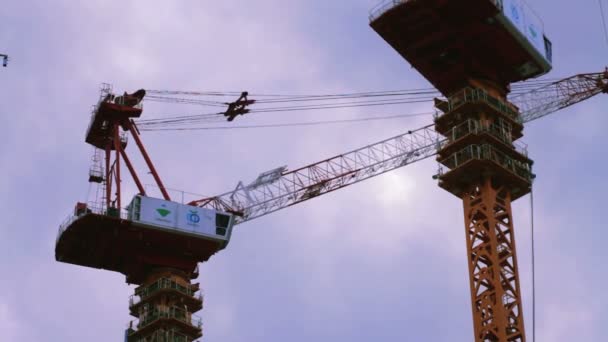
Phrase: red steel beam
[118,149]
[108,173]
[123,153]
[131,127]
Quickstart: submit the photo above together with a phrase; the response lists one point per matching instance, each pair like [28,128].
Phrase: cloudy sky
[383,260]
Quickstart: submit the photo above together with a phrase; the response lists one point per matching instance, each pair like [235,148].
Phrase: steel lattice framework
[494,276]
[561,94]
[280,188]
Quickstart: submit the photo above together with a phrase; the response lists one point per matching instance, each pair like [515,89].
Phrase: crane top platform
[112,109]
[451,42]
[152,233]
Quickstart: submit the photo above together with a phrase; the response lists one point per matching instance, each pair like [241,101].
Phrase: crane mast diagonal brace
[279,188]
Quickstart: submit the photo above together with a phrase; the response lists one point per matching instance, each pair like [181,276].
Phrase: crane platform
[131,245]
[470,165]
[451,41]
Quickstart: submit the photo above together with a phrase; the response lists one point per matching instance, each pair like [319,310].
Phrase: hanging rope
[533,254]
[603,20]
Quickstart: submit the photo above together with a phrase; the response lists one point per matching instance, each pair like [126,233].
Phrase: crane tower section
[472,50]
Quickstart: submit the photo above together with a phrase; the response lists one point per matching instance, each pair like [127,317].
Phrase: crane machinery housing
[471,50]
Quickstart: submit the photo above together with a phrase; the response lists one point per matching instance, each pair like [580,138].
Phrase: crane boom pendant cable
[603,20]
[533,255]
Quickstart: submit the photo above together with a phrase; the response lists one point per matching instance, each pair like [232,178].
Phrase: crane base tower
[471,50]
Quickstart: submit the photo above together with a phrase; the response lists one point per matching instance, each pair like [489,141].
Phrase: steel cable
[295,103]
[533,254]
[295,124]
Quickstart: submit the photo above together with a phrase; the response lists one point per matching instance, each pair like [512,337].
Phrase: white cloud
[11,328]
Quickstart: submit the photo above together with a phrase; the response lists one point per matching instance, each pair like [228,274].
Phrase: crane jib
[278,188]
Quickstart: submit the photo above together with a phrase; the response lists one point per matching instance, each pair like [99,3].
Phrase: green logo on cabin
[163,212]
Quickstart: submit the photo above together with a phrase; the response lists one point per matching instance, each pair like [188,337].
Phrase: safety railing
[99,210]
[104,92]
[64,225]
[486,152]
[165,336]
[476,95]
[151,316]
[162,284]
[501,131]
[384,7]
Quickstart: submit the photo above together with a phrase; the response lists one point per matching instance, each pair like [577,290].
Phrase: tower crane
[281,188]
[472,59]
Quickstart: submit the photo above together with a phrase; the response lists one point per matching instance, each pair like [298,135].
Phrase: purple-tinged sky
[383,260]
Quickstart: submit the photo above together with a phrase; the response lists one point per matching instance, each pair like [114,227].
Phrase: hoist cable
[295,124]
[344,97]
[154,94]
[294,103]
[184,101]
[533,254]
[603,20]
[157,121]
[352,104]
[203,117]
[214,117]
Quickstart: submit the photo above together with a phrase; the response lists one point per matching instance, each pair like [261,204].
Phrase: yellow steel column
[495,289]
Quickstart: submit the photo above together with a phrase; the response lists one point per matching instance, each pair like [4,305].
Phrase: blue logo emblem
[193,217]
